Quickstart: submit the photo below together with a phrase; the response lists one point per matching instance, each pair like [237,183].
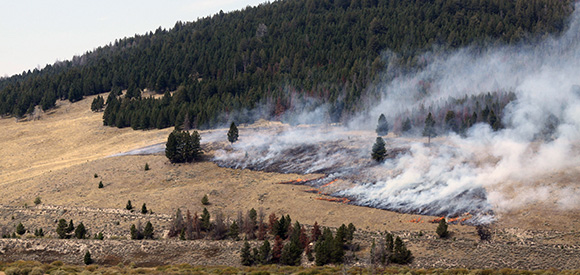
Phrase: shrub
[96,176]
[37,201]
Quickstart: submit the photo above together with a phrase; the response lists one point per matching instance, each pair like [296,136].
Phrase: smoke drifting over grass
[483,172]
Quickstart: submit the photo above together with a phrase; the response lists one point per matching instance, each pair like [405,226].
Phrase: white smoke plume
[482,172]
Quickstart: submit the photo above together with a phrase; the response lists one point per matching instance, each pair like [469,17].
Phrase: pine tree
[136,233]
[350,232]
[87,259]
[61,229]
[101,184]
[147,168]
[379,151]
[144,209]
[233,133]
[172,146]
[382,126]
[148,231]
[442,229]
[80,231]
[245,254]
[265,253]
[205,220]
[129,206]
[429,130]
[323,248]
[71,227]
[401,255]
[20,230]
[205,200]
[406,127]
[450,123]
[291,253]
[234,231]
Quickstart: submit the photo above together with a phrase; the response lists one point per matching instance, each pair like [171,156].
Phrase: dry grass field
[56,157]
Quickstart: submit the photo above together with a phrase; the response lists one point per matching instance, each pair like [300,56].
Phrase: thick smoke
[483,172]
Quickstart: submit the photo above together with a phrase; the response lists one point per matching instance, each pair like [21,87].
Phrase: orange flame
[417,220]
[436,220]
[329,183]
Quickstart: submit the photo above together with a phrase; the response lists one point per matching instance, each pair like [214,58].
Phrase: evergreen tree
[350,232]
[71,227]
[401,255]
[233,133]
[148,231]
[245,254]
[172,148]
[450,123]
[323,248]
[205,200]
[205,220]
[20,230]
[494,121]
[234,231]
[291,253]
[183,147]
[265,253]
[61,229]
[136,233]
[101,184]
[389,243]
[147,168]
[379,151]
[144,209]
[98,104]
[406,127]
[442,229]
[129,206]
[382,126]
[80,231]
[87,258]
[429,130]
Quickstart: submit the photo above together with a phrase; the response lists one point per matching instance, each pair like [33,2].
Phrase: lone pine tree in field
[379,151]
[382,126]
[233,133]
[442,229]
[183,147]
[429,129]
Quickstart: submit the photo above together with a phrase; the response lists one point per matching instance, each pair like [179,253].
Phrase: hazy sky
[34,33]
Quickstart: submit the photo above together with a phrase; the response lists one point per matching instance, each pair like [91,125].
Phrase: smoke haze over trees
[276,55]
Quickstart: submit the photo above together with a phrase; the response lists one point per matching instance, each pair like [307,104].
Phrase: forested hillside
[274,55]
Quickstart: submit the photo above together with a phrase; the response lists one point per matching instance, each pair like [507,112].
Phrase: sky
[35,33]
